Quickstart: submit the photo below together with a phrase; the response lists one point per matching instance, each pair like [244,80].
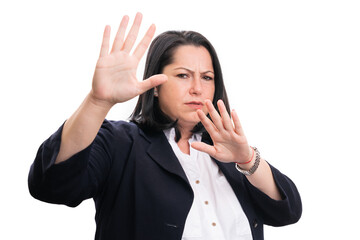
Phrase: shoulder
[122,129]
[119,127]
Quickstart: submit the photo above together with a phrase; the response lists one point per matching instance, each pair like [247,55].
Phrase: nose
[196,87]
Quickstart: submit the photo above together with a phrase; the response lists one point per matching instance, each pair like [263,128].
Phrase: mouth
[195,104]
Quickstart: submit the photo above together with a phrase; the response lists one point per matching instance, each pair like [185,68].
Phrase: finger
[225,116]
[215,117]
[151,82]
[131,37]
[145,42]
[203,147]
[104,50]
[207,123]
[238,128]
[119,38]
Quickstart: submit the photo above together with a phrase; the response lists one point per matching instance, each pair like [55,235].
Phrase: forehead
[192,56]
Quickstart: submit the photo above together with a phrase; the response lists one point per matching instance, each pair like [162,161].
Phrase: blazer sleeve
[82,175]
[273,212]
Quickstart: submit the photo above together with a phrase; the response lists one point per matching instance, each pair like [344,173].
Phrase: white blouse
[216,212]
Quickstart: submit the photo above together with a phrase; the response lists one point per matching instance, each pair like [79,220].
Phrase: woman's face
[190,82]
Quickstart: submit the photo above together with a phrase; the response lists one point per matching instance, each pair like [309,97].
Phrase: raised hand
[115,79]
[229,141]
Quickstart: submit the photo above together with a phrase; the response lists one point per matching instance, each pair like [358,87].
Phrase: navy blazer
[139,187]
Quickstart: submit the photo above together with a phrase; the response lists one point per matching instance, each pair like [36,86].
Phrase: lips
[195,104]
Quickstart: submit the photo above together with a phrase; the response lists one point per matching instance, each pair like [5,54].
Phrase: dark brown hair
[147,113]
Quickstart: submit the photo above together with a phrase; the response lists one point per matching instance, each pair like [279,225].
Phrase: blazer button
[255,224]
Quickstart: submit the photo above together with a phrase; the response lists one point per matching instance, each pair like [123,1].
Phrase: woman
[172,172]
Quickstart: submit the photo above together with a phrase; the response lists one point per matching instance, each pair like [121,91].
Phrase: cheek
[172,93]
[168,102]
[210,92]
[163,103]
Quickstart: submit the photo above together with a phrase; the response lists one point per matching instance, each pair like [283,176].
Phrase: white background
[291,69]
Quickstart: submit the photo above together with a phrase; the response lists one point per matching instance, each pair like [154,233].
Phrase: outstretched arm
[114,82]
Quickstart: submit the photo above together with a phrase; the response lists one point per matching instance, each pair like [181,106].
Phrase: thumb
[203,147]
[152,81]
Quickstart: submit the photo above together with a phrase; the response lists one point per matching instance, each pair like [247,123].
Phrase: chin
[190,122]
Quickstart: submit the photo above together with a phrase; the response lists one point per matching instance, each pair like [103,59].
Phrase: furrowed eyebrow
[208,72]
[193,71]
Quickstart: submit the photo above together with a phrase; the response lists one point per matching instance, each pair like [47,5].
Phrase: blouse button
[206,202]
[214,224]
[255,224]
[197,181]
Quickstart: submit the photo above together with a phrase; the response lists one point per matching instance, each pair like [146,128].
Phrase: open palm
[229,141]
[115,79]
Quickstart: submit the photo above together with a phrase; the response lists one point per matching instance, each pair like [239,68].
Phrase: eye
[182,75]
[208,78]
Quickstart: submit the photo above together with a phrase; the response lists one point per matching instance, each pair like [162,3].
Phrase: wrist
[249,159]
[99,103]
[249,168]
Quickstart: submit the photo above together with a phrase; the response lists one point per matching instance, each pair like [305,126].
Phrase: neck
[185,133]
[183,143]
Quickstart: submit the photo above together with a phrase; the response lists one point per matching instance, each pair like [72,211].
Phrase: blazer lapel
[161,152]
